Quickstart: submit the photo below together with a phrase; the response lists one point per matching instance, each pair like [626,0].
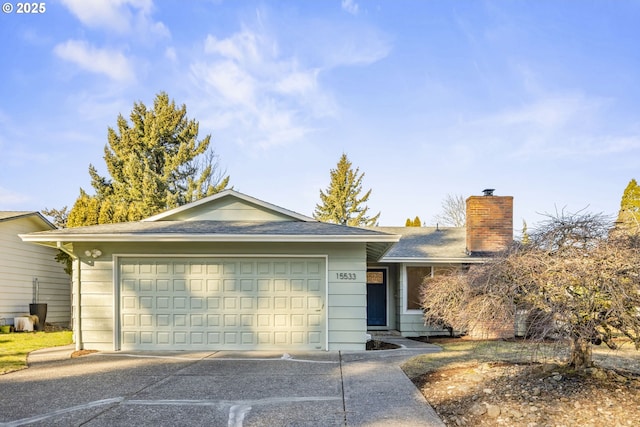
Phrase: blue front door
[376,297]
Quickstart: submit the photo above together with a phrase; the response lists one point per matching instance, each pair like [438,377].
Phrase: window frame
[405,285]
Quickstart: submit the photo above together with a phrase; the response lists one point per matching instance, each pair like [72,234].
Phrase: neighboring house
[231,272]
[393,283]
[30,273]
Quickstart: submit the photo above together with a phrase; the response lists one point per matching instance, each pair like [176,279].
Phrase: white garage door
[222,303]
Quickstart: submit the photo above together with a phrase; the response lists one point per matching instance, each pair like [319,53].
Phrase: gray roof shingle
[246,228]
[427,244]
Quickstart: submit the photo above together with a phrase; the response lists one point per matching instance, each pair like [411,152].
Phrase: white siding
[346,305]
[229,209]
[21,263]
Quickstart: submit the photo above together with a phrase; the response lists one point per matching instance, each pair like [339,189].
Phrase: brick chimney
[489,223]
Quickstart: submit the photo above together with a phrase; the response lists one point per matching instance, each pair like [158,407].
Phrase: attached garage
[228,272]
[232,303]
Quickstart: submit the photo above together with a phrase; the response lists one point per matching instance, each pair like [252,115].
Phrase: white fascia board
[448,260]
[206,238]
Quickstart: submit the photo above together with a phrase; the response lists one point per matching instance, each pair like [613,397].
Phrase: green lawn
[15,347]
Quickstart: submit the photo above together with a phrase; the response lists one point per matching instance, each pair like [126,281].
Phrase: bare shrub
[575,280]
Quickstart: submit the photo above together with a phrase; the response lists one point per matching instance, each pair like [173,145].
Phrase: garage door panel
[163,320]
[229,268]
[179,285]
[129,302]
[197,338]
[313,285]
[224,303]
[213,338]
[197,303]
[263,268]
[129,320]
[197,320]
[162,285]
[195,285]
[146,320]
[213,285]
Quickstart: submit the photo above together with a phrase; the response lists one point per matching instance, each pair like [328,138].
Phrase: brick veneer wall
[489,223]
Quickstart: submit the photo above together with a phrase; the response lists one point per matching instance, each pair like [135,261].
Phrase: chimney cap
[488,191]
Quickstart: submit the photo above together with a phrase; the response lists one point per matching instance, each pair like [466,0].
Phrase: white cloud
[170,54]
[549,112]
[119,16]
[298,82]
[103,61]
[230,81]
[243,47]
[272,89]
[555,126]
[270,96]
[350,6]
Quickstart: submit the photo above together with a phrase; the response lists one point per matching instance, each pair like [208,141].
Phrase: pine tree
[340,203]
[629,215]
[155,162]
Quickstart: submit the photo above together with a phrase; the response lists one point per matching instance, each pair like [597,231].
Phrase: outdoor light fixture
[93,253]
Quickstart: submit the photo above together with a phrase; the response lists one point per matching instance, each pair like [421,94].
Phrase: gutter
[443,260]
[172,237]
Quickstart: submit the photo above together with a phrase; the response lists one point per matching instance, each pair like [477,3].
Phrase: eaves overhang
[172,237]
[377,243]
[435,260]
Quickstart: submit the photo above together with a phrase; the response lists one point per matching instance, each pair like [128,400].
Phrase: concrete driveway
[216,389]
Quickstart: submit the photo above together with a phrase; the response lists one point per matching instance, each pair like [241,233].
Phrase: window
[375,277]
[415,276]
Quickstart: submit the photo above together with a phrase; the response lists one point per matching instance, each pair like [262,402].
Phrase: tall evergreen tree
[629,215]
[340,203]
[155,162]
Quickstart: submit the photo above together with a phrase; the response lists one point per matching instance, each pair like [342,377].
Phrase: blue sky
[537,99]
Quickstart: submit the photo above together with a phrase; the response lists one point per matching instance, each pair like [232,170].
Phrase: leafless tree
[58,216]
[578,282]
[454,211]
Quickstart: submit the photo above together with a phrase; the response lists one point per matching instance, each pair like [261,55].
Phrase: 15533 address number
[346,276]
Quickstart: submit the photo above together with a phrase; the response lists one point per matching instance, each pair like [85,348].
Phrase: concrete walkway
[365,388]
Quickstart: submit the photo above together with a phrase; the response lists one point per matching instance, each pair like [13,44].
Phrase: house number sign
[346,276]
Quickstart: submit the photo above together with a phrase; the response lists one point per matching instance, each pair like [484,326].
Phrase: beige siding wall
[347,297]
[230,209]
[20,263]
[345,308]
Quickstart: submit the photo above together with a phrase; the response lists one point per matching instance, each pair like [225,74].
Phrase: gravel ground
[474,391]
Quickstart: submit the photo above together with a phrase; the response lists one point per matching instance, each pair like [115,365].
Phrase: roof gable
[36,217]
[229,205]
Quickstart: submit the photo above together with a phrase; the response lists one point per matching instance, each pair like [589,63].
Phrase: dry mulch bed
[509,393]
